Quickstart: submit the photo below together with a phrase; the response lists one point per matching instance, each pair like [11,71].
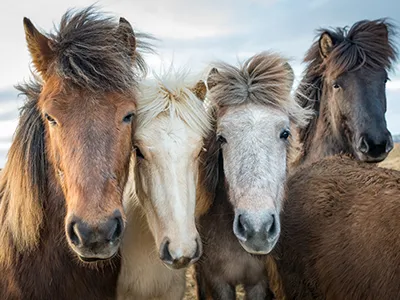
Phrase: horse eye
[285,134]
[387,79]
[336,86]
[139,154]
[221,139]
[50,119]
[128,118]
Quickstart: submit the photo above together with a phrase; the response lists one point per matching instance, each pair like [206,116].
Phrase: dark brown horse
[340,233]
[244,173]
[61,189]
[344,83]
[367,51]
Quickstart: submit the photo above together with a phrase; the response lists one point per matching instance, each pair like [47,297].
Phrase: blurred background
[192,34]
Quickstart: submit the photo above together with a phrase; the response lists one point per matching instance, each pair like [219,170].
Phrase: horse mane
[23,184]
[90,54]
[172,93]
[265,79]
[366,44]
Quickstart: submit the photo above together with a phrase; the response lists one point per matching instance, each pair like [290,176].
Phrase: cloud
[194,33]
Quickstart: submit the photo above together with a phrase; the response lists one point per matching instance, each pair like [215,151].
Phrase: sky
[192,34]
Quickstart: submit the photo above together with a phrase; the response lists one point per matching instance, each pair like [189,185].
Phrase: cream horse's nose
[174,258]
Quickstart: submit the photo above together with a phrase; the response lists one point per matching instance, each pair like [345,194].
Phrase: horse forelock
[91,55]
[172,94]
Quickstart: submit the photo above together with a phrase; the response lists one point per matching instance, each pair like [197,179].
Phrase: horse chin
[96,259]
[256,250]
[370,159]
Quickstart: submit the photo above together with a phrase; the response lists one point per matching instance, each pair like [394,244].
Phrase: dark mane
[209,165]
[23,182]
[366,44]
[90,54]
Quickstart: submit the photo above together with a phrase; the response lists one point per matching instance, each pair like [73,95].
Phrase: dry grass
[392,162]
[191,287]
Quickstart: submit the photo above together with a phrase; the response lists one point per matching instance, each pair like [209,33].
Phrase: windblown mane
[23,184]
[172,93]
[265,79]
[367,44]
[89,55]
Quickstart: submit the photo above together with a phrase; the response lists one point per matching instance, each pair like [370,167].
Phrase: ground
[191,287]
[393,162]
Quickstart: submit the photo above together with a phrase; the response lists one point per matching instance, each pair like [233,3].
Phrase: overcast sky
[193,33]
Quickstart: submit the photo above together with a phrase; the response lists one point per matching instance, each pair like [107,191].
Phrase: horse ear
[326,44]
[211,80]
[39,47]
[127,35]
[289,68]
[200,90]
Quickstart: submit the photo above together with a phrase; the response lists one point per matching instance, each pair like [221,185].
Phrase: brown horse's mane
[88,55]
[23,184]
[366,44]
[265,79]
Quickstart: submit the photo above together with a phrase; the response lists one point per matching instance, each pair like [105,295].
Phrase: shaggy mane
[91,55]
[265,78]
[172,93]
[23,184]
[366,44]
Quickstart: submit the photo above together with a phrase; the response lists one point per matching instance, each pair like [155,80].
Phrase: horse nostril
[389,144]
[73,234]
[199,250]
[272,228]
[241,227]
[116,229]
[363,145]
[165,255]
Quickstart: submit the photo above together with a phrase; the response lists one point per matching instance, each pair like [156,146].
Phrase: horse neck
[323,139]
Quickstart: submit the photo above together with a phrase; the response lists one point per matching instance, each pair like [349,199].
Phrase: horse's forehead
[255,116]
[169,135]
[86,102]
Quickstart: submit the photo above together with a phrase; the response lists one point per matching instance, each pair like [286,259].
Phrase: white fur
[172,123]
[256,156]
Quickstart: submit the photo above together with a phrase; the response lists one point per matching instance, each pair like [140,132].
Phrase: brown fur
[339,235]
[89,75]
[367,47]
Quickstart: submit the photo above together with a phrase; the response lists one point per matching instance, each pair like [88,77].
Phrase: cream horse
[161,237]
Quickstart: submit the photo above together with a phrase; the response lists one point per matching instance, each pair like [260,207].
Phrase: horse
[367,45]
[61,210]
[161,237]
[340,231]
[344,84]
[243,173]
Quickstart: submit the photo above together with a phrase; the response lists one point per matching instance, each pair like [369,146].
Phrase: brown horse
[344,83]
[61,189]
[244,173]
[352,61]
[340,232]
